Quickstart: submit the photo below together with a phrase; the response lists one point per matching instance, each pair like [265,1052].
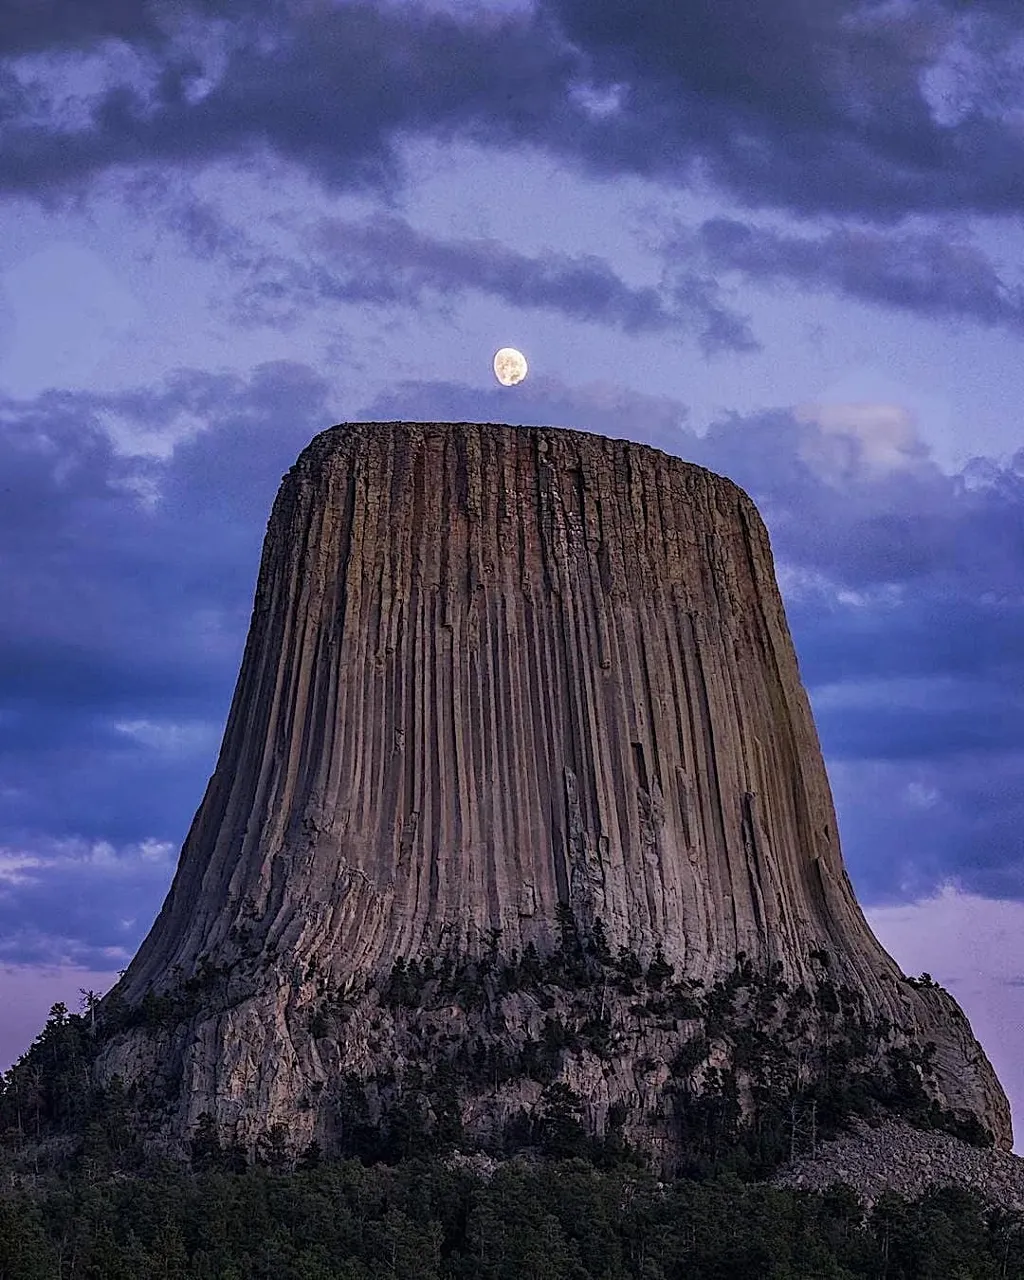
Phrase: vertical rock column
[495,669]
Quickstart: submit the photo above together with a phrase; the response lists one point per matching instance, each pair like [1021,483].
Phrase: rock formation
[500,683]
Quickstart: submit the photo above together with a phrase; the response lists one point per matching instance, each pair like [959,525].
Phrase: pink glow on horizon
[27,995]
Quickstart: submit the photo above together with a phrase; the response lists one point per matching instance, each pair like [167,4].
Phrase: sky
[782,241]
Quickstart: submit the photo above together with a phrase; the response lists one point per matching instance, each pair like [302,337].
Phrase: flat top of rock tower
[336,438]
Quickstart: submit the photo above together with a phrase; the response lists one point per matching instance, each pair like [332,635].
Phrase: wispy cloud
[384,261]
[933,274]
[79,902]
[171,737]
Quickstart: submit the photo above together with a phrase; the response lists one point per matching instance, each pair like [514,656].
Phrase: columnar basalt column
[494,669]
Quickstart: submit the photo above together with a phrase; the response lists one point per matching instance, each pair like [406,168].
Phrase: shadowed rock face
[491,670]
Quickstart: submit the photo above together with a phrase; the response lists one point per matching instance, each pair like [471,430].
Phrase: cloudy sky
[780,240]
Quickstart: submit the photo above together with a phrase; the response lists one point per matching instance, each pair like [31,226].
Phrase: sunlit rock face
[491,670]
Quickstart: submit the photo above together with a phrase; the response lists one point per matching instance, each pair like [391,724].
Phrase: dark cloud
[902,588]
[927,274]
[30,26]
[984,722]
[908,827]
[894,569]
[386,260]
[127,588]
[810,107]
[329,89]
[854,495]
[87,558]
[937,631]
[37,26]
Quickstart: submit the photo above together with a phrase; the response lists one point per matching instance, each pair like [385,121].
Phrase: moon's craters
[510,366]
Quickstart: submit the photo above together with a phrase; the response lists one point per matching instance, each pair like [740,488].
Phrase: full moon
[510,366]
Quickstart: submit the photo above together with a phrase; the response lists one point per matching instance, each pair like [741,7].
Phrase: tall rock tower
[505,688]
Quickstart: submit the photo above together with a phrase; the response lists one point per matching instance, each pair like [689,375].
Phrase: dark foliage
[423,1220]
[792,1067]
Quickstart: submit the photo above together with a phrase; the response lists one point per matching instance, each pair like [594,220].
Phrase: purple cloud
[924,273]
[821,108]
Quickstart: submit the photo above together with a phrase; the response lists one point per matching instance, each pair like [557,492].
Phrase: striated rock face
[491,670]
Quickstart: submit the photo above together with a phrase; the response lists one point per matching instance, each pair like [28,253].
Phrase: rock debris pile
[892,1156]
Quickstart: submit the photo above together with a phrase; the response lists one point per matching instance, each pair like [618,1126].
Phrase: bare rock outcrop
[493,672]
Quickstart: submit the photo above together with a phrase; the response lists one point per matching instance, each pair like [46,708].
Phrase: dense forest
[799,1062]
[83,1198]
[539,1220]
